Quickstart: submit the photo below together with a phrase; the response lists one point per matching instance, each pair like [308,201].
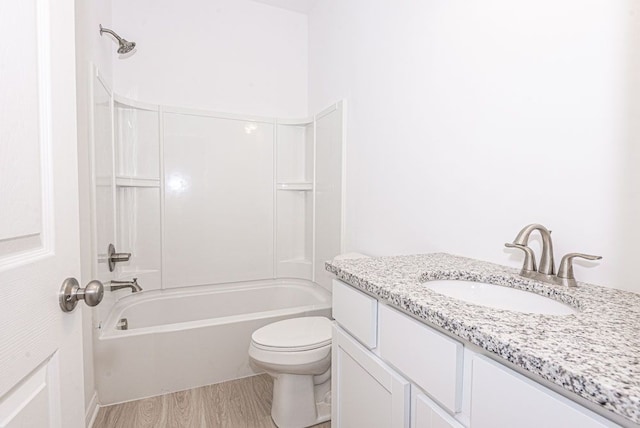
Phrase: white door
[40,346]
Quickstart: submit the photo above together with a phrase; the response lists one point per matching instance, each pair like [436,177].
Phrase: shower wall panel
[218,200]
[329,192]
[137,148]
[103,175]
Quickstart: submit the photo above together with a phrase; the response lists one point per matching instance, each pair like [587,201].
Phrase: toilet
[297,354]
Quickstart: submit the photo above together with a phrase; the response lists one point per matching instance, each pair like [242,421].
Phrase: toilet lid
[296,334]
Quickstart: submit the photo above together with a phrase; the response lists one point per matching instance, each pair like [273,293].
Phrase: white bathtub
[185,338]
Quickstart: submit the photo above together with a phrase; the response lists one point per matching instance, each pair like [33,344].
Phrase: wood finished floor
[242,403]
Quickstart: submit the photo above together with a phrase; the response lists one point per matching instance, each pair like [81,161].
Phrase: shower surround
[208,201]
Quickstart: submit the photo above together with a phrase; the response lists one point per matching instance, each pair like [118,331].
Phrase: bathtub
[184,338]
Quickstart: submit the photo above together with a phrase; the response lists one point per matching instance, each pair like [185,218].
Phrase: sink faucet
[546,270]
[546,266]
[133,285]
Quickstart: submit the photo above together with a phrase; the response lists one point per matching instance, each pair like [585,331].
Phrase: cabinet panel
[430,359]
[501,397]
[366,392]
[356,312]
[427,414]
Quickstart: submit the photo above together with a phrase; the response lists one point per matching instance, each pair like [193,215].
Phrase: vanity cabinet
[391,370]
[504,398]
[371,394]
[430,359]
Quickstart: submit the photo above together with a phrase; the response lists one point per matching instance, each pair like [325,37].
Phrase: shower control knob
[71,293]
[114,257]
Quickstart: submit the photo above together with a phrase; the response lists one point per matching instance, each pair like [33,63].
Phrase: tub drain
[122,324]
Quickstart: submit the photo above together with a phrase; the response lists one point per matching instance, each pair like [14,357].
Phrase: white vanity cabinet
[370,393]
[390,370]
[503,398]
[430,359]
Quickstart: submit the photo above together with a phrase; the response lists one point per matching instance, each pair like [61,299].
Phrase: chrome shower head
[125,46]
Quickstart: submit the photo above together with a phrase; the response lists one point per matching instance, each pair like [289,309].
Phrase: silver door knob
[71,293]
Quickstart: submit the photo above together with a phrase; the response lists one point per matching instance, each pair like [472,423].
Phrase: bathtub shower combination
[228,220]
[181,339]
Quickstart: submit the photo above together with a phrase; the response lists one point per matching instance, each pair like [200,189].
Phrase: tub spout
[133,285]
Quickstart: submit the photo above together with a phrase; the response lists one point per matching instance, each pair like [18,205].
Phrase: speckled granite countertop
[594,353]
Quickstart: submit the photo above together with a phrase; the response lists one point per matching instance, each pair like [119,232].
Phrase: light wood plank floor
[242,403]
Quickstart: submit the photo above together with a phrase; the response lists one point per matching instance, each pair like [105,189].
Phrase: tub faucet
[133,285]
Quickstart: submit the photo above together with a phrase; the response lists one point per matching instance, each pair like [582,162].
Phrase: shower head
[125,46]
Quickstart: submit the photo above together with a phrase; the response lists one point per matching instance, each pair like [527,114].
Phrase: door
[40,346]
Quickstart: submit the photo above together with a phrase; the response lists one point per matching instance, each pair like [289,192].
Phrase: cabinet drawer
[430,359]
[356,312]
[500,397]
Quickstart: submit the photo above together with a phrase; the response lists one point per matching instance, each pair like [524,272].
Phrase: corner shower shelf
[295,186]
[136,182]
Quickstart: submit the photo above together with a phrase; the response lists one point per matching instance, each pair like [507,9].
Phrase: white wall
[234,56]
[90,47]
[469,120]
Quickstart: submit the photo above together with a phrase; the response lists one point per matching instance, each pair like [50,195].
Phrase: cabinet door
[425,413]
[366,392]
[500,397]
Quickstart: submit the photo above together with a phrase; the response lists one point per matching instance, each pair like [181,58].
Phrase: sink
[499,297]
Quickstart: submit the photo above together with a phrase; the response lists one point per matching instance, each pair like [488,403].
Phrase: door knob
[71,293]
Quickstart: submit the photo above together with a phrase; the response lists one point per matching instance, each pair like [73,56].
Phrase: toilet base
[324,412]
[294,401]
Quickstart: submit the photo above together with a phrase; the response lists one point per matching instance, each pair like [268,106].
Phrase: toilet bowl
[297,354]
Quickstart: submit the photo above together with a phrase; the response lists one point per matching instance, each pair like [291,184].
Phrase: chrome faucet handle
[565,270]
[529,257]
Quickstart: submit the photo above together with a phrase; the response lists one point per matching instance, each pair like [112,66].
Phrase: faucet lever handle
[529,258]
[566,264]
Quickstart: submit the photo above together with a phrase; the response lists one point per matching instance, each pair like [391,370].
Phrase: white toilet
[297,354]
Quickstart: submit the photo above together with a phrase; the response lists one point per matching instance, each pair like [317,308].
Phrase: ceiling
[302,6]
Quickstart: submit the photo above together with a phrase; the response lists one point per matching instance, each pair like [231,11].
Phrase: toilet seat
[293,335]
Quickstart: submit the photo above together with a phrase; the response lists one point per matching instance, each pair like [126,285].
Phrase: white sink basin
[499,297]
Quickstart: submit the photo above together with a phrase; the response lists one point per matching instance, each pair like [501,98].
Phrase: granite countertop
[594,353]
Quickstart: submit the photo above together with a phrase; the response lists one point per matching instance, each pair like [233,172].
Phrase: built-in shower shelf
[136,182]
[295,186]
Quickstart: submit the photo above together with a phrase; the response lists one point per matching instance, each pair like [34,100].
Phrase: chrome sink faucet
[133,285]
[546,266]
[546,270]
